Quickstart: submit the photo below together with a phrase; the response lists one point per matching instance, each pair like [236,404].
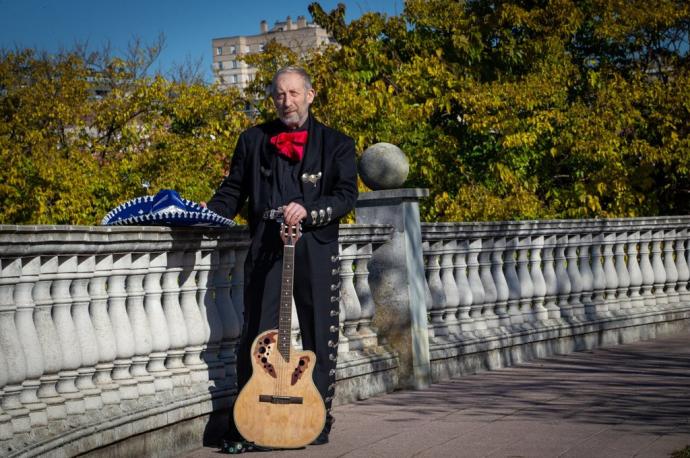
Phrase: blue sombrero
[166,208]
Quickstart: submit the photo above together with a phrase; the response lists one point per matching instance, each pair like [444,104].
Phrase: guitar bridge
[280,399]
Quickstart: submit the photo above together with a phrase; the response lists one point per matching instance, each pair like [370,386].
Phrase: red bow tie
[291,144]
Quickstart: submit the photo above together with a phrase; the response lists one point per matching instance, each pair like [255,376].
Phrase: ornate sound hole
[263,349]
[302,366]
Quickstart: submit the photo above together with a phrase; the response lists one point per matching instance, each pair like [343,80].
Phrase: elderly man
[307,169]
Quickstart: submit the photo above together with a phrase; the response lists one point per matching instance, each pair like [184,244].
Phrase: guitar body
[279,407]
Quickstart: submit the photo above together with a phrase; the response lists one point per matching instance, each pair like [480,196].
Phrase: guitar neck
[285,320]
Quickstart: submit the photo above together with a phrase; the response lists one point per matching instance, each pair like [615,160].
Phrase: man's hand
[293,213]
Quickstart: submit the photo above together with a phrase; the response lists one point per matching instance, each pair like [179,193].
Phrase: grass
[684,453]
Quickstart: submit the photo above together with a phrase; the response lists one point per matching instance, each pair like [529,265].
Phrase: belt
[274,214]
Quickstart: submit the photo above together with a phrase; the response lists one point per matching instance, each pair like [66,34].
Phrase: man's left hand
[293,213]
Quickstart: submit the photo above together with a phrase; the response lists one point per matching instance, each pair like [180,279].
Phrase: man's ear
[311,93]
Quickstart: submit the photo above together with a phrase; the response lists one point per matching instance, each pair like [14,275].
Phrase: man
[307,169]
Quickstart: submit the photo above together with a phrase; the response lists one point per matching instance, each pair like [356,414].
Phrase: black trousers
[315,290]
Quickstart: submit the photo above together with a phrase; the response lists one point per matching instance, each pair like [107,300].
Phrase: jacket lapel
[311,172]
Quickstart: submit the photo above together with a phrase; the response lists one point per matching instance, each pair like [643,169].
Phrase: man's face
[292,99]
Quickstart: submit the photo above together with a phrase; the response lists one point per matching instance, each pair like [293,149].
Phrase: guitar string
[284,347]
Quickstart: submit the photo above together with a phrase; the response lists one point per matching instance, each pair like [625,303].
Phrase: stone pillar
[397,280]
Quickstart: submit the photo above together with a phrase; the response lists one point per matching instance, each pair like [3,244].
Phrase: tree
[81,134]
[518,109]
[506,109]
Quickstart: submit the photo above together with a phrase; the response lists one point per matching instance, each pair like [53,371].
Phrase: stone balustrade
[499,293]
[124,338]
[111,332]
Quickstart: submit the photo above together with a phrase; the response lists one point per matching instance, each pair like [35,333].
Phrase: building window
[246,48]
[261,47]
[220,65]
[219,50]
[232,49]
[233,79]
[235,64]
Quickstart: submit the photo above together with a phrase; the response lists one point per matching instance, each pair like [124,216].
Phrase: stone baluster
[295,332]
[175,321]
[647,290]
[563,279]
[103,331]
[226,309]
[670,268]
[342,343]
[351,309]
[160,335]
[48,338]
[368,307]
[549,273]
[450,290]
[28,338]
[610,275]
[464,290]
[432,289]
[513,281]
[541,314]
[213,331]
[526,286]
[193,322]
[67,336]
[5,420]
[682,266]
[599,309]
[122,328]
[140,324]
[623,290]
[577,309]
[490,292]
[476,287]
[587,276]
[635,273]
[687,253]
[11,348]
[499,280]
[81,300]
[659,270]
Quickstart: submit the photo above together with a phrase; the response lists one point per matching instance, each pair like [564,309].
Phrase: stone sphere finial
[383,166]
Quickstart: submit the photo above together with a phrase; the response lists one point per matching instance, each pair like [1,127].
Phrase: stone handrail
[573,283]
[109,332]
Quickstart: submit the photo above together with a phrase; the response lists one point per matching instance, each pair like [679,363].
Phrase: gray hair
[292,69]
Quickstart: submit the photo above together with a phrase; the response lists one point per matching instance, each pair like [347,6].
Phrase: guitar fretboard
[285,320]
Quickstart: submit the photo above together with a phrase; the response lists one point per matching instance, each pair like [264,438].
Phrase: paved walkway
[621,401]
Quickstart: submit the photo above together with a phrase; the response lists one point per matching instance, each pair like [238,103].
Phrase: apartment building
[300,36]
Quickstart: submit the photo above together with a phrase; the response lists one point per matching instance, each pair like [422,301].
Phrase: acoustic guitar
[280,407]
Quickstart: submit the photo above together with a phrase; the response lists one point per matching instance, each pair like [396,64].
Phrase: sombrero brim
[166,208]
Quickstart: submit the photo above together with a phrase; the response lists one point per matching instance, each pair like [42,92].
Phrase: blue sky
[188,26]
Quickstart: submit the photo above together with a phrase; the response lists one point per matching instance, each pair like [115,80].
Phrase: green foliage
[517,109]
[507,110]
[77,140]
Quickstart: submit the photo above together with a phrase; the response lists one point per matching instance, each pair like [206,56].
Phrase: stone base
[153,429]
[456,359]
[365,373]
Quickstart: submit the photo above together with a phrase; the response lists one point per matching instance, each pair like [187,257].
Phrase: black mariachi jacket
[328,177]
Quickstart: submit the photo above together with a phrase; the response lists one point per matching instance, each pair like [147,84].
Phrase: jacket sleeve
[340,199]
[232,193]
